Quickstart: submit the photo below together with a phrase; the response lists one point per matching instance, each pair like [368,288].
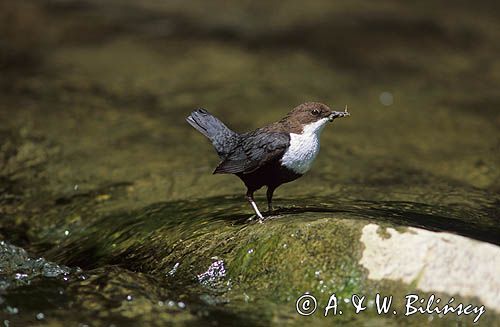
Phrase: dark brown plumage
[269,156]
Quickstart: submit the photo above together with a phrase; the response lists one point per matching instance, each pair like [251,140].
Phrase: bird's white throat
[303,147]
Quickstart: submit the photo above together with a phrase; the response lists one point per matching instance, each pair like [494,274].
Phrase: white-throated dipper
[269,156]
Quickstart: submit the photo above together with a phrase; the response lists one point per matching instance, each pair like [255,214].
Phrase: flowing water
[109,212]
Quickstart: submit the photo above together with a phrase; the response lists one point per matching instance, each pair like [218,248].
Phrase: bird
[269,156]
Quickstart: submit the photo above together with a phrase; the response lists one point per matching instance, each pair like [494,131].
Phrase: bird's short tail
[223,139]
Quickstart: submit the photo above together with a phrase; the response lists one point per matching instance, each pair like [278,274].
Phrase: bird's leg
[250,199]
[270,191]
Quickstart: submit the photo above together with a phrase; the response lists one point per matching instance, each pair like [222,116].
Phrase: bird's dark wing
[254,151]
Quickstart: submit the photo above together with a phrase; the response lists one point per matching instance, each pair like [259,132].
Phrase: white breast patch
[303,147]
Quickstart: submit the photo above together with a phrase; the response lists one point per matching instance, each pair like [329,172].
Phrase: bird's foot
[255,209]
[256,218]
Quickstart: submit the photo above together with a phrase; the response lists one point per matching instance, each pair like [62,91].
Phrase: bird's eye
[315,112]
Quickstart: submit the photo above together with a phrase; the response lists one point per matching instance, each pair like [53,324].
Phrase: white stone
[441,262]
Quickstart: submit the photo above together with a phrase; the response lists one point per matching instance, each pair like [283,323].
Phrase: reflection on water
[99,170]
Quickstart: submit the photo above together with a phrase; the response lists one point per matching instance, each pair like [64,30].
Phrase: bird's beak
[338,114]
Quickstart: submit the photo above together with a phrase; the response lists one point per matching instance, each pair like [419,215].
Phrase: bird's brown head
[309,112]
[306,114]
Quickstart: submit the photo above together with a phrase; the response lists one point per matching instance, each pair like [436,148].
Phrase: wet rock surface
[109,214]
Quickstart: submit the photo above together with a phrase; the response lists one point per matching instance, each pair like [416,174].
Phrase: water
[102,179]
